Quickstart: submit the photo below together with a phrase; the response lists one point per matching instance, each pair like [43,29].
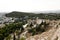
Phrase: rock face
[52,34]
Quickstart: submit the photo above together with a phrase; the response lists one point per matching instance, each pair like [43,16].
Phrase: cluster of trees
[38,29]
[8,29]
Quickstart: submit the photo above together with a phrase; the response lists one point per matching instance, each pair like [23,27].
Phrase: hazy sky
[29,5]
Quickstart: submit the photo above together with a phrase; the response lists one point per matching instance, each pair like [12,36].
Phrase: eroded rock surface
[52,34]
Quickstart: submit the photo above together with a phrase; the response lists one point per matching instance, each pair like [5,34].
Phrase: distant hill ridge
[18,14]
[40,15]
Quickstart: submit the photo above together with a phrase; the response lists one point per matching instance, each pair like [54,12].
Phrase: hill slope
[41,15]
[18,14]
[52,34]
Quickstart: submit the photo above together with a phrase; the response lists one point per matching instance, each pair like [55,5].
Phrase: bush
[22,38]
[8,29]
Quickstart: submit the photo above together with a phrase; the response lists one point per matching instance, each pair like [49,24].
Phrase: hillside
[41,15]
[18,14]
[52,34]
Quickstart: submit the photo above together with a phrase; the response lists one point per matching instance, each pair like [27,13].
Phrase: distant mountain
[18,14]
[40,15]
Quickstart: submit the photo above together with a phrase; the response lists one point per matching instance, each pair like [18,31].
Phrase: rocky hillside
[52,34]
[46,30]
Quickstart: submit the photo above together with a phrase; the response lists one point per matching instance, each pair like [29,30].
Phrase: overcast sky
[29,5]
